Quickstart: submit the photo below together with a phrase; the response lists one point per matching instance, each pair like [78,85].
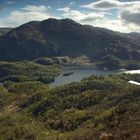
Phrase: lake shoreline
[80,72]
[96,68]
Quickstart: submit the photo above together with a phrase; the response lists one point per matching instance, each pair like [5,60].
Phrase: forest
[96,108]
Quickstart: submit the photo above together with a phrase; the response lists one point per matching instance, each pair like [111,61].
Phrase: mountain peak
[59,21]
[58,24]
[50,20]
[65,37]
[68,20]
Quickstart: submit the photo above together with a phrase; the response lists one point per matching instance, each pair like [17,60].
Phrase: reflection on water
[79,72]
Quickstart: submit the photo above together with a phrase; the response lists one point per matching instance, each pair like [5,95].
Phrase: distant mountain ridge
[53,37]
[4,31]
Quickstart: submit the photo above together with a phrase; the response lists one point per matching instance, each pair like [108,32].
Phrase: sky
[117,15]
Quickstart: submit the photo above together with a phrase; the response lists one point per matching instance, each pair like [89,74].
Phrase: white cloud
[110,4]
[99,19]
[33,8]
[78,15]
[102,4]
[65,9]
[26,14]
[127,18]
[130,15]
[116,25]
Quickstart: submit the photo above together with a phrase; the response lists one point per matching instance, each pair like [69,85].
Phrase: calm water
[79,73]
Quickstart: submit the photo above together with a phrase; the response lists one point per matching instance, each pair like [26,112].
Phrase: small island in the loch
[68,73]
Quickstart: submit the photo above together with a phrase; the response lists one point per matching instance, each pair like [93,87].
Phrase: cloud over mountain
[118,15]
[25,14]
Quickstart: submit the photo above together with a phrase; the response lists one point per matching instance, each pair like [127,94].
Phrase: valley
[61,80]
[71,43]
[90,107]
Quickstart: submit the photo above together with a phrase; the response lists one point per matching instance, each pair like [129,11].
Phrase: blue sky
[118,15]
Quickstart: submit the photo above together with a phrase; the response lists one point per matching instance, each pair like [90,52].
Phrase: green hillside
[105,108]
[28,71]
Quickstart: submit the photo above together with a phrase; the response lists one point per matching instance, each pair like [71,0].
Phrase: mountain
[66,37]
[4,31]
[135,36]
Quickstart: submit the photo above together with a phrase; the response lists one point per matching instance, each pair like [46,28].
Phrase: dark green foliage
[44,61]
[24,87]
[127,77]
[99,99]
[4,96]
[77,111]
[18,126]
[132,65]
[27,71]
[109,62]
